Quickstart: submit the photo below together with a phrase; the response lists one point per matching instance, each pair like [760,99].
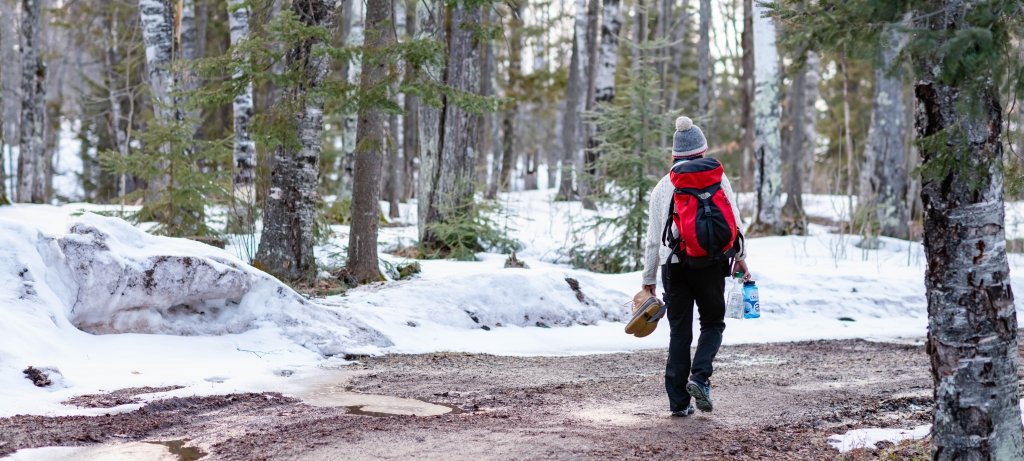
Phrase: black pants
[683,286]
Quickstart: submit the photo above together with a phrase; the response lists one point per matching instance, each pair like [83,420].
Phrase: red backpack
[702,214]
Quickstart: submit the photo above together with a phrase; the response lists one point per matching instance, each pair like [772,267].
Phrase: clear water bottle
[751,303]
[734,298]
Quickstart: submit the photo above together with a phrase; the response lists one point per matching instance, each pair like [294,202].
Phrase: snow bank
[105,276]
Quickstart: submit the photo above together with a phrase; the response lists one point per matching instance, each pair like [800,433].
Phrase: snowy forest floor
[772,401]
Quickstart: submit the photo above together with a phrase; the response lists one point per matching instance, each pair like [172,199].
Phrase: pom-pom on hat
[688,142]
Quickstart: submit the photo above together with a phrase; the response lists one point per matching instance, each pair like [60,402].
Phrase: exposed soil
[116,398]
[773,401]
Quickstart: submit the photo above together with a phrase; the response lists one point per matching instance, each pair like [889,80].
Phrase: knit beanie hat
[689,142]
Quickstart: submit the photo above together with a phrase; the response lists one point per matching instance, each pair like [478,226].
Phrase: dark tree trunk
[410,119]
[33,99]
[450,180]
[794,149]
[286,245]
[574,104]
[972,322]
[747,113]
[512,90]
[371,146]
[704,64]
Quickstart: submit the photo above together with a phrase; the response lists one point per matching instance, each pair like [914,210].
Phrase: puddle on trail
[174,450]
[330,390]
[178,448]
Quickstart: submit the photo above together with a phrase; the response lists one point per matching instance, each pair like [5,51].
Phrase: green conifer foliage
[166,152]
[633,160]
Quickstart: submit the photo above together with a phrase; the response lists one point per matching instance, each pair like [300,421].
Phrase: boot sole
[645,320]
[701,399]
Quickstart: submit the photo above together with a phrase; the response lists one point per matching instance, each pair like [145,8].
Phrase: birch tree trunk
[450,185]
[410,119]
[244,150]
[286,244]
[704,64]
[574,103]
[33,96]
[767,172]
[371,148]
[588,177]
[883,176]
[972,322]
[157,20]
[611,26]
[512,92]
[188,44]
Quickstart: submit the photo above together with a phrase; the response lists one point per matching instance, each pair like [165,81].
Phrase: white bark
[244,151]
[157,34]
[608,59]
[33,96]
[767,171]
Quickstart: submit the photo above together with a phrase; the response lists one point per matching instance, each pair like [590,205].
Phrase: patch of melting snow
[867,438]
[119,452]
[330,390]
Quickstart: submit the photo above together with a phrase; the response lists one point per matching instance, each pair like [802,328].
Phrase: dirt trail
[773,401]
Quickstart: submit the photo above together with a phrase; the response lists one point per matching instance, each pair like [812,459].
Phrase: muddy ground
[772,401]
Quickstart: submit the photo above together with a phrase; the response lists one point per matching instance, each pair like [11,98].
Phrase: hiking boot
[684,412]
[647,310]
[701,395]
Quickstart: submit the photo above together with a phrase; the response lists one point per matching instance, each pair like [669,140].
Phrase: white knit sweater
[655,252]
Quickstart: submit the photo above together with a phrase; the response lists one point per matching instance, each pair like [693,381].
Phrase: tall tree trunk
[244,152]
[410,119]
[33,99]
[588,177]
[604,81]
[796,147]
[450,185]
[704,64]
[512,93]
[767,174]
[189,50]
[157,20]
[371,147]
[883,176]
[430,23]
[747,81]
[679,31]
[3,141]
[574,104]
[286,244]
[351,32]
[486,120]
[972,322]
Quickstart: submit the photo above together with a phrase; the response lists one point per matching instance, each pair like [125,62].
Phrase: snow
[225,327]
[867,438]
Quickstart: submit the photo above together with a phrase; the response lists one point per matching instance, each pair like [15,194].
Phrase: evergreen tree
[629,133]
